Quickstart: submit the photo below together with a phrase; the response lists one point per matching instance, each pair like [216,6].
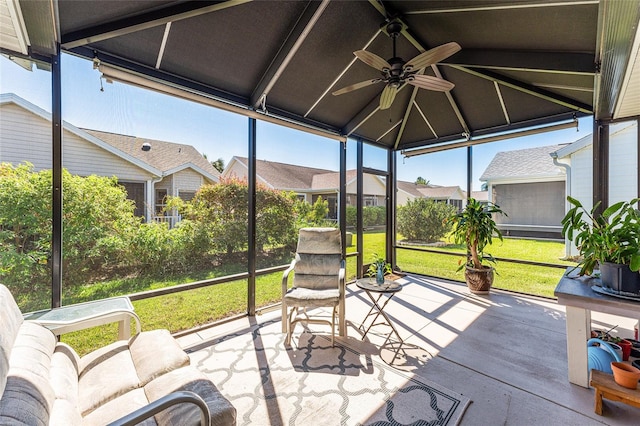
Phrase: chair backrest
[318,258]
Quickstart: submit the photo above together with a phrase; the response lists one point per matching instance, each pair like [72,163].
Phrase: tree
[218,164]
[311,214]
[424,220]
[421,181]
[222,210]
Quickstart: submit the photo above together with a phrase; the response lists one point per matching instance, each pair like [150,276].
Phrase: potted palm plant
[609,242]
[474,226]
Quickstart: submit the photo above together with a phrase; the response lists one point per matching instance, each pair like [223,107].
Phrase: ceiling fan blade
[372,60]
[432,56]
[387,96]
[356,86]
[431,83]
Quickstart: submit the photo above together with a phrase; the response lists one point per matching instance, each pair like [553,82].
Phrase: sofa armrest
[163,403]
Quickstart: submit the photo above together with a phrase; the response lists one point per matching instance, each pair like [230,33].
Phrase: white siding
[623,165]
[25,136]
[187,180]
[402,198]
[582,176]
[166,183]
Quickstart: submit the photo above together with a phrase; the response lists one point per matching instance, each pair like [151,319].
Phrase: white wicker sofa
[44,382]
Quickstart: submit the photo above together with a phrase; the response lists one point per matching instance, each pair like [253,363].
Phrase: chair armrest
[162,404]
[285,276]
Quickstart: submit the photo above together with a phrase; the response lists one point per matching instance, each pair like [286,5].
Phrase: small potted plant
[378,268]
[609,242]
[474,227]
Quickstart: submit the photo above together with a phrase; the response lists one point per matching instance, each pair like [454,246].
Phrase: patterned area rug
[312,383]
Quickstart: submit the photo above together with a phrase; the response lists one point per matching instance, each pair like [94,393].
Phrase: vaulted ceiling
[521,63]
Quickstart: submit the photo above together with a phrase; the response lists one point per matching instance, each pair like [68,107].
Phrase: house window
[370,200]
[161,200]
[135,192]
[456,203]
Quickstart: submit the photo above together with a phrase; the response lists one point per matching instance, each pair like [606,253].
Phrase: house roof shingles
[523,163]
[286,176]
[163,155]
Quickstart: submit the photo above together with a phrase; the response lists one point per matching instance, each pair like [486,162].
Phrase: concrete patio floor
[506,352]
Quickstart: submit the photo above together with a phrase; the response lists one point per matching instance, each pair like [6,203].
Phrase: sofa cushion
[27,399]
[154,353]
[119,407]
[11,320]
[64,374]
[64,413]
[28,395]
[190,379]
[105,374]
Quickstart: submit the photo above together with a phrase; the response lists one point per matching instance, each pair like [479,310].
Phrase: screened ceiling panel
[551,59]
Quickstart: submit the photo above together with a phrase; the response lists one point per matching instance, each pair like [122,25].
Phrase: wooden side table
[606,387]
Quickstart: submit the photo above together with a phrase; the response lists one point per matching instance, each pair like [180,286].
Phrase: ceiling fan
[396,72]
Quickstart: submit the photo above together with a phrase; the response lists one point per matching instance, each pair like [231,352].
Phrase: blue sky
[219,134]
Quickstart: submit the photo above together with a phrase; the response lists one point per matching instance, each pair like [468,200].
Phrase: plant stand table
[606,387]
[86,315]
[578,297]
[388,288]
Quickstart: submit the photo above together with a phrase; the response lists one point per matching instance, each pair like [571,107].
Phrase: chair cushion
[305,297]
[318,264]
[319,241]
[316,282]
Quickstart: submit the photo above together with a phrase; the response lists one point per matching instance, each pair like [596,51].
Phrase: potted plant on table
[609,242]
[378,268]
[474,226]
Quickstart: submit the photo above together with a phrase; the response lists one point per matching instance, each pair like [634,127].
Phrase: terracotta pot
[479,281]
[625,375]
[626,349]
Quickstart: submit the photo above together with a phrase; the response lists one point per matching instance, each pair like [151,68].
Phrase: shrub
[98,221]
[424,220]
[221,211]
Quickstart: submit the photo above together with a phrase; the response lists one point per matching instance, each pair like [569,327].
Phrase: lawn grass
[184,310]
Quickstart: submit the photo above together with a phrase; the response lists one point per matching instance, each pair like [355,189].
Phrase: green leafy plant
[378,262]
[612,236]
[474,226]
[424,220]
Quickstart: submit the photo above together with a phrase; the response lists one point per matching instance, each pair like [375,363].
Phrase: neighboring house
[310,183]
[530,189]
[577,158]
[149,175]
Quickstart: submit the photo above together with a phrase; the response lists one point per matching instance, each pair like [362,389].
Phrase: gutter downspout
[567,190]
[151,210]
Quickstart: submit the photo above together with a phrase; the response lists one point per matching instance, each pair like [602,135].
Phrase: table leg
[578,332]
[379,311]
[598,402]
